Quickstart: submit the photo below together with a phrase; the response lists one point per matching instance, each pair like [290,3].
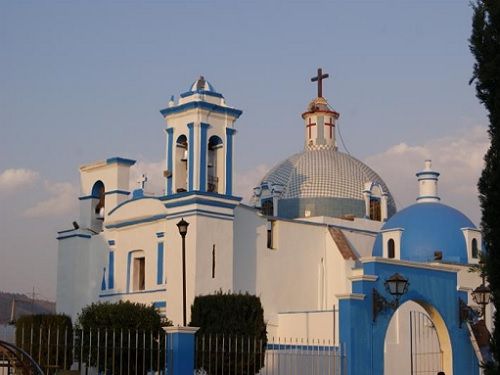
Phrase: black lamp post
[481,295]
[397,286]
[183,228]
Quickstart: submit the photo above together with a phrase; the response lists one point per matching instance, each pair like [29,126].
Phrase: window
[181,166]
[268,207]
[474,249]
[375,209]
[139,274]
[271,228]
[391,253]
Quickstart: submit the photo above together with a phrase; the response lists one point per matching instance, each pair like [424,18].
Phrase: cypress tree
[485,46]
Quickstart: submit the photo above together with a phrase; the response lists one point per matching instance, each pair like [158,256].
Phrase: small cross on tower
[320,77]
[142,181]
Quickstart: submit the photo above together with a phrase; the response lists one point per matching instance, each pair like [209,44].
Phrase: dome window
[375,202]
[390,249]
[473,243]
[474,249]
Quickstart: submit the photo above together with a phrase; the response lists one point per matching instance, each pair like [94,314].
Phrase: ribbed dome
[326,173]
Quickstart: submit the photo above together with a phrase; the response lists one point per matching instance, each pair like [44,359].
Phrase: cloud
[458,157]
[246,180]
[62,200]
[13,179]
[155,184]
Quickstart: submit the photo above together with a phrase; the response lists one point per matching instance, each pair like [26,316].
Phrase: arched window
[391,252]
[98,192]
[474,249]
[214,165]
[268,207]
[181,157]
[375,209]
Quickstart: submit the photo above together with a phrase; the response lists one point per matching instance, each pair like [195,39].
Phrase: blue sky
[82,81]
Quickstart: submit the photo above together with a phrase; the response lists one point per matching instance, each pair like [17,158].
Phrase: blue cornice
[119,160]
[205,213]
[122,192]
[202,92]
[197,200]
[138,221]
[81,235]
[197,192]
[87,197]
[201,105]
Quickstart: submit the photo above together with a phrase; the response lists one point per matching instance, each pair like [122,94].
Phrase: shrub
[232,323]
[121,336]
[47,338]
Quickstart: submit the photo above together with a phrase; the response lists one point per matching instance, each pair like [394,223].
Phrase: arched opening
[417,341]
[267,207]
[181,165]
[215,165]
[375,209]
[391,252]
[474,249]
[98,205]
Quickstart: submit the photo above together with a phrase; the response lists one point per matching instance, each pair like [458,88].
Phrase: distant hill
[24,306]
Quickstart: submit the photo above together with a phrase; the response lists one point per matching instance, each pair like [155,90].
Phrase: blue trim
[111,242]
[432,173]
[103,281]
[159,275]
[196,200]
[202,92]
[202,105]
[74,235]
[71,230]
[197,192]
[170,145]
[129,293]
[87,197]
[122,192]
[203,156]
[160,304]
[428,196]
[111,270]
[191,156]
[211,214]
[138,221]
[127,202]
[229,160]
[119,160]
[129,261]
[160,234]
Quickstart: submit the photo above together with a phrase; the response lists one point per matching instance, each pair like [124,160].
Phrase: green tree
[232,335]
[115,337]
[485,46]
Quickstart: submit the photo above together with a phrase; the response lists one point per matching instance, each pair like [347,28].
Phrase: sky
[83,81]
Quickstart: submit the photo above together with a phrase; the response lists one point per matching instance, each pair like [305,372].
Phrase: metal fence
[242,355]
[132,352]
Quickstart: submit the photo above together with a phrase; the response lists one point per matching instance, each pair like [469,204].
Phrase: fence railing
[243,355]
[132,352]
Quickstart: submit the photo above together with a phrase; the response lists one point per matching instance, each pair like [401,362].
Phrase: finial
[319,78]
[171,102]
[142,181]
[428,184]
[200,85]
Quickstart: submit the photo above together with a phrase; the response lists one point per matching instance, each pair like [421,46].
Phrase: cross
[320,77]
[331,125]
[311,124]
[142,181]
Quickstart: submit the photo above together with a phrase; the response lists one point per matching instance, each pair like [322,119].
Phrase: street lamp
[183,228]
[481,295]
[397,286]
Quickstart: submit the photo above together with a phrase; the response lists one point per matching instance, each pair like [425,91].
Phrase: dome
[201,85]
[324,182]
[429,227]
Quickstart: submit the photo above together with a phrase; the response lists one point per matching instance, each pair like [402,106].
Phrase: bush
[55,334]
[232,323]
[121,336]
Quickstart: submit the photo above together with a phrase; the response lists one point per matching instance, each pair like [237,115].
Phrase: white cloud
[154,172]
[63,199]
[13,179]
[458,157]
[246,180]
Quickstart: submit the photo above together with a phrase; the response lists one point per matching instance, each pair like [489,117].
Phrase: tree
[232,335]
[124,335]
[485,46]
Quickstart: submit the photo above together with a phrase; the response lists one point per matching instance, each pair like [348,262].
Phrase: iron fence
[243,355]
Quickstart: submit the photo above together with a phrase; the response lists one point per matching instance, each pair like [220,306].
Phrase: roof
[429,227]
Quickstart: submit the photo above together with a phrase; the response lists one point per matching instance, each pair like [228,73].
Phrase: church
[321,242]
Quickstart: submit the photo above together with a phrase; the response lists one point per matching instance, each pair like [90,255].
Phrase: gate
[425,350]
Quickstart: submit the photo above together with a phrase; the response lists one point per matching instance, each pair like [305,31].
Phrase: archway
[417,341]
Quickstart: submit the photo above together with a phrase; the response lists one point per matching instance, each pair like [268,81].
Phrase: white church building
[317,242]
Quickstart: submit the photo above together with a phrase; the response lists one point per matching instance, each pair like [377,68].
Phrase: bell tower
[320,119]
[200,146]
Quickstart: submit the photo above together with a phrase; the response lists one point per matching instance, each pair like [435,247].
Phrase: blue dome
[429,227]
[201,84]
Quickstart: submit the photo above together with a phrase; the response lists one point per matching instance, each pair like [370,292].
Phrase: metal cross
[320,77]
[311,124]
[331,125]
[142,181]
